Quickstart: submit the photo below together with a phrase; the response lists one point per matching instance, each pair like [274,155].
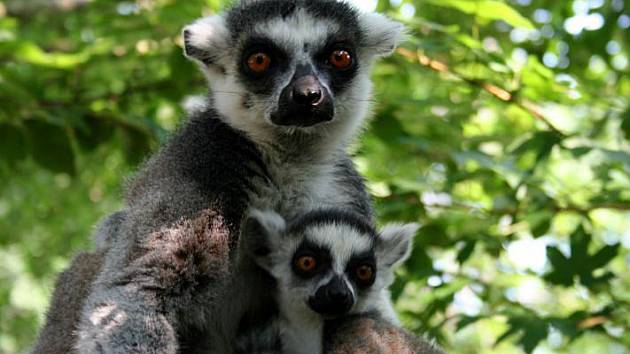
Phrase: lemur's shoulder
[207,152]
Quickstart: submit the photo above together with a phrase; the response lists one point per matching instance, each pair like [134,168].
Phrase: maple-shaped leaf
[580,264]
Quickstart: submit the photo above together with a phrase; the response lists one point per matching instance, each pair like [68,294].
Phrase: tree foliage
[502,126]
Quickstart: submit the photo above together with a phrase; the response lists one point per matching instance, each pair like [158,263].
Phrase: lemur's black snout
[305,101]
[332,299]
[307,91]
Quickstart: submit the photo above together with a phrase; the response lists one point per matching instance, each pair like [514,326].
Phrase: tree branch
[496,91]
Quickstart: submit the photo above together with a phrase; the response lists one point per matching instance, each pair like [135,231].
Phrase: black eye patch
[356,267]
[319,254]
[262,82]
[339,79]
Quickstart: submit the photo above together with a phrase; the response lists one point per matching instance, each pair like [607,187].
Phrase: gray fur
[172,279]
[107,230]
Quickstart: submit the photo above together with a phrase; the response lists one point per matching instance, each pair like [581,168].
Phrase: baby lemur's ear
[382,34]
[394,243]
[205,39]
[261,234]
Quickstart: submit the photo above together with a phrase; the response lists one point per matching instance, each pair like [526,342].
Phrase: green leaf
[94,131]
[580,264]
[466,321]
[532,331]
[31,53]
[387,128]
[137,143]
[51,147]
[535,332]
[466,252]
[625,124]
[488,9]
[605,255]
[580,151]
[12,144]
[562,273]
[541,144]
[539,222]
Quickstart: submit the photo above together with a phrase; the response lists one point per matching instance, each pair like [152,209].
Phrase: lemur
[327,264]
[289,89]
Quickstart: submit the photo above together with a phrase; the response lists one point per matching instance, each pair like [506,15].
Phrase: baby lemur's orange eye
[259,62]
[306,264]
[365,273]
[340,59]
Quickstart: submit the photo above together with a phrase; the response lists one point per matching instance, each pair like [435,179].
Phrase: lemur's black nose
[332,299]
[305,101]
[338,294]
[307,91]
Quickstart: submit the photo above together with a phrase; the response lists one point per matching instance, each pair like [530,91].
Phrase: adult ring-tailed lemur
[289,86]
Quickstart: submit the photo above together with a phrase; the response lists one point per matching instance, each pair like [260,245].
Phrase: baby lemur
[327,264]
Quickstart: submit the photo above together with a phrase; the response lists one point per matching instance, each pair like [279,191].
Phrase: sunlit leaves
[31,53]
[625,124]
[489,10]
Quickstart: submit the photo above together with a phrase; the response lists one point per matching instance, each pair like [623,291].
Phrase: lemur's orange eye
[259,62]
[340,59]
[365,273]
[306,264]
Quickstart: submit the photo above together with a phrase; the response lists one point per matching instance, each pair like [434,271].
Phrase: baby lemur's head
[327,263]
[287,65]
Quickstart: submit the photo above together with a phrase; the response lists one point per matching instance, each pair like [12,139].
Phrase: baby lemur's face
[328,262]
[290,64]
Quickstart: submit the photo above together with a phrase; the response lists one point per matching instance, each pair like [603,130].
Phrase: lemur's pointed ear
[381,33]
[205,39]
[394,243]
[260,235]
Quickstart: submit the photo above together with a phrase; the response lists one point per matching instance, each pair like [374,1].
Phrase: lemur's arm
[146,305]
[166,266]
[119,317]
[58,335]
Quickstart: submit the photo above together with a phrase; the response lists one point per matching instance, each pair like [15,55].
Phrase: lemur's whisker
[228,92]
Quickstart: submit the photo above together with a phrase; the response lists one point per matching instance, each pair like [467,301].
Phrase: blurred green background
[502,126]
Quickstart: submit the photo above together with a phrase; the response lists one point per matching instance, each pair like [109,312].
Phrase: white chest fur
[298,187]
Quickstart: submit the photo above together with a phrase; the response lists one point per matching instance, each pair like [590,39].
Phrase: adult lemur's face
[290,64]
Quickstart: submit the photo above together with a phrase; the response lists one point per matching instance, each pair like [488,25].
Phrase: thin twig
[496,91]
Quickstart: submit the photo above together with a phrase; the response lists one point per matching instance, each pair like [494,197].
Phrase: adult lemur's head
[283,66]
[327,263]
